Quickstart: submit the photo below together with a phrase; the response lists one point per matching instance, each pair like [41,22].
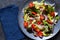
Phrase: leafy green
[47,24]
[45,34]
[29,29]
[31,15]
[27,10]
[50,17]
[57,17]
[49,9]
[35,10]
[46,29]
[44,21]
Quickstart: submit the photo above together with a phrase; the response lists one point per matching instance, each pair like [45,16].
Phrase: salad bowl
[30,35]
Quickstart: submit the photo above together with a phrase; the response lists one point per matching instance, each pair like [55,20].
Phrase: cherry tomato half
[42,17]
[40,33]
[39,22]
[25,24]
[31,4]
[49,21]
[52,14]
[36,29]
[33,26]
[34,13]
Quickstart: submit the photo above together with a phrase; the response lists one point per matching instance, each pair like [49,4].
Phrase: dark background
[4,3]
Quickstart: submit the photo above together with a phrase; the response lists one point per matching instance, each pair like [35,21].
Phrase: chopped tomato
[40,33]
[49,21]
[25,24]
[31,4]
[36,29]
[33,26]
[52,14]
[31,21]
[42,17]
[34,13]
[39,22]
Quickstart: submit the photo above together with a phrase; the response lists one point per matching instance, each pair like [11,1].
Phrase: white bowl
[30,35]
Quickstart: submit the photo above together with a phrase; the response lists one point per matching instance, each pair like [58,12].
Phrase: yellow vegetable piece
[26,17]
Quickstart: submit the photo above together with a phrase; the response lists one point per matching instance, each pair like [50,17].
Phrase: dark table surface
[4,3]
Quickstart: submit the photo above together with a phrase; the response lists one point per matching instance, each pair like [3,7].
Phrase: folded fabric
[9,19]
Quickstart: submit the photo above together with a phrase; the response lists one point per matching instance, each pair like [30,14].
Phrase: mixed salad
[40,18]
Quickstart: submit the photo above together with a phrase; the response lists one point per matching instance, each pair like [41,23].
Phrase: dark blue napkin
[9,19]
